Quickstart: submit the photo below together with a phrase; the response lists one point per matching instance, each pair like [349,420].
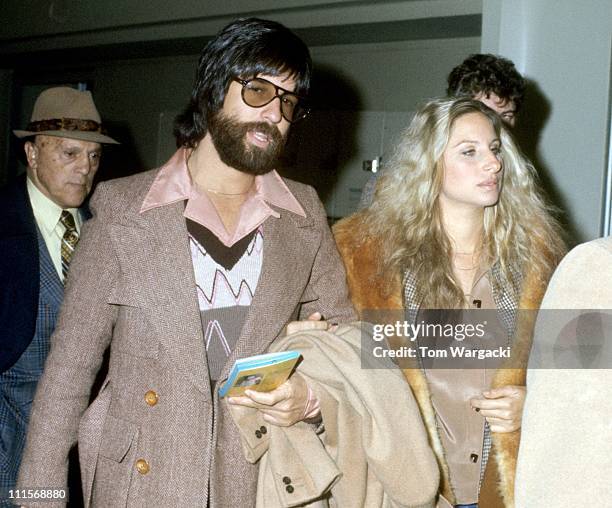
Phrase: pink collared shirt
[173,183]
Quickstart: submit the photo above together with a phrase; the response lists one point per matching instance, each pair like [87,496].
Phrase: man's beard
[229,137]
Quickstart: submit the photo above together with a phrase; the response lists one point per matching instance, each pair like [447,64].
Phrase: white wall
[565,47]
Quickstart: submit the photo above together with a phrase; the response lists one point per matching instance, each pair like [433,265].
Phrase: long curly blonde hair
[406,213]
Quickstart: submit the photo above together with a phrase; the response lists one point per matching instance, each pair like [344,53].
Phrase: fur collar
[370,289]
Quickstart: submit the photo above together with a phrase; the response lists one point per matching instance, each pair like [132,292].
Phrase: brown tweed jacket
[155,436]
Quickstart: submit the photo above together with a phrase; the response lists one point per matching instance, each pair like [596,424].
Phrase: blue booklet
[262,373]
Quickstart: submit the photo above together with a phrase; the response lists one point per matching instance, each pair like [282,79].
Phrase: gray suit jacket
[132,288]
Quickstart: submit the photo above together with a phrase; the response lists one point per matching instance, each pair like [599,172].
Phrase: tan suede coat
[368,290]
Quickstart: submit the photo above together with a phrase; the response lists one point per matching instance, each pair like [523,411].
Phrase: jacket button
[263,429]
[474,458]
[142,466]
[258,434]
[289,488]
[151,398]
[286,480]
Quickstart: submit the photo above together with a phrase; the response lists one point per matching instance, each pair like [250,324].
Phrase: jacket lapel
[160,262]
[51,286]
[412,297]
[290,244]
[156,247]
[505,298]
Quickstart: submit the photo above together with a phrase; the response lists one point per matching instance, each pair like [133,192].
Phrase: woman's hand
[314,322]
[502,407]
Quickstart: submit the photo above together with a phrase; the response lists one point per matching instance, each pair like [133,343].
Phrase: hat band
[66,124]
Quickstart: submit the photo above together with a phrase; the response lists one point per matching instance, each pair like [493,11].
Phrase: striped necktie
[69,240]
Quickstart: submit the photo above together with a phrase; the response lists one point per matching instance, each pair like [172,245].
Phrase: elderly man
[41,224]
[181,271]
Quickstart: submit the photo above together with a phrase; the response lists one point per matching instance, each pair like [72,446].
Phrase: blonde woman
[458,221]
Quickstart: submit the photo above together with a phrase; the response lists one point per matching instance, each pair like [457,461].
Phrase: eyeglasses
[258,92]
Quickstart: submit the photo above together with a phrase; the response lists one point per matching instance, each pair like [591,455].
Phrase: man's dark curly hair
[245,48]
[486,73]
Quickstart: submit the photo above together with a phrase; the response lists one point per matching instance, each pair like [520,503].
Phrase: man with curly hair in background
[492,80]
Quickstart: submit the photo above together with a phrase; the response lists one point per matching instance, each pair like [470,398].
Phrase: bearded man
[181,271]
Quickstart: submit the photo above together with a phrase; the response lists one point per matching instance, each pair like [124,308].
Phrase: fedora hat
[67,113]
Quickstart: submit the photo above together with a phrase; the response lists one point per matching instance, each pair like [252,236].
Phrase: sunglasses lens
[258,92]
[290,106]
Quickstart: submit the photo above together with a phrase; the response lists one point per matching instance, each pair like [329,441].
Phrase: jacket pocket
[122,295]
[117,438]
[89,437]
[134,333]
[308,295]
[115,465]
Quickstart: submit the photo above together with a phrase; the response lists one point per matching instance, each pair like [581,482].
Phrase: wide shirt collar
[47,213]
[173,183]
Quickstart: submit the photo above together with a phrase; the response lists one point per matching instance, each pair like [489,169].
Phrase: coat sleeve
[567,413]
[78,344]
[327,286]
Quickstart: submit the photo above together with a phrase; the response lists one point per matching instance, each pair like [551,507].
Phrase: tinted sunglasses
[258,92]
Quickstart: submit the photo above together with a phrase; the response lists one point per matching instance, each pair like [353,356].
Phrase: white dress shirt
[47,215]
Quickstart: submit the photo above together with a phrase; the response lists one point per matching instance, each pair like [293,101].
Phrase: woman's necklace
[464,268]
[471,268]
[475,263]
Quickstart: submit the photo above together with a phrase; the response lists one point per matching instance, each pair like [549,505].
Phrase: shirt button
[263,429]
[142,466]
[286,480]
[258,434]
[474,458]
[151,398]
[289,488]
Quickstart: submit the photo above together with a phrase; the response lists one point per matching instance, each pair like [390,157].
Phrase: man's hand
[502,407]
[284,406]
[313,322]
